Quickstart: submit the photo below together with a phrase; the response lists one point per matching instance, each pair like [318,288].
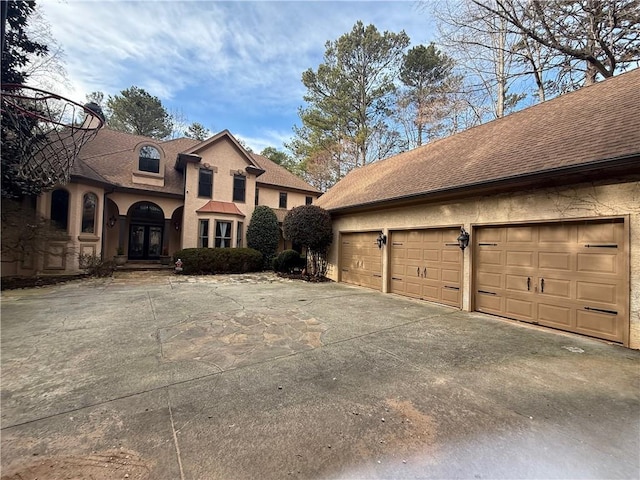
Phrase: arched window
[89,205]
[60,208]
[149,160]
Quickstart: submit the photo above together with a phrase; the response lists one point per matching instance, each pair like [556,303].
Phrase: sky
[233,65]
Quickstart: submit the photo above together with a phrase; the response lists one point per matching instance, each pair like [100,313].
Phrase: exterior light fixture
[176,225]
[381,240]
[463,239]
[112,221]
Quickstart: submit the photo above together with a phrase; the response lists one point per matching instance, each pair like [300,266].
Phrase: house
[550,198]
[148,198]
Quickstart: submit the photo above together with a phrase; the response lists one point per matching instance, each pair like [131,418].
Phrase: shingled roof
[278,176]
[594,125]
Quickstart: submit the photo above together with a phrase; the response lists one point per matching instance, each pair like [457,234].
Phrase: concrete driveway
[170,377]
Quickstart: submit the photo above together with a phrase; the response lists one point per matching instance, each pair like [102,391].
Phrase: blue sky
[228,65]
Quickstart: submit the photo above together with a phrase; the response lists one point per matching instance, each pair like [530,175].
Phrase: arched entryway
[146,231]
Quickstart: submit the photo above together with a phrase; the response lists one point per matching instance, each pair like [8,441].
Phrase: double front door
[145,242]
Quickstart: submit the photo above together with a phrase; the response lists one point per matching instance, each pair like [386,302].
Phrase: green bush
[205,261]
[288,261]
[263,233]
[310,227]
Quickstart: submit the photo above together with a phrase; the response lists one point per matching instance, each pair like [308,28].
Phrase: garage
[427,264]
[361,259]
[569,276]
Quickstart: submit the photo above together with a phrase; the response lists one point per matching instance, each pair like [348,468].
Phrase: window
[203,234]
[205,183]
[283,200]
[239,182]
[60,208]
[239,235]
[223,234]
[89,204]
[308,200]
[149,160]
[257,195]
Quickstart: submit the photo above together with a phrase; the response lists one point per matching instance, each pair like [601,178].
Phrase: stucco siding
[577,202]
[270,197]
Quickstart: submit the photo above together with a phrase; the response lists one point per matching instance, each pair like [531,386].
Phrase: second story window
[308,200]
[239,185]
[283,200]
[205,183]
[149,160]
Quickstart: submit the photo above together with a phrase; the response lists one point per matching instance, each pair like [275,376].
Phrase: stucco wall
[270,196]
[225,160]
[582,201]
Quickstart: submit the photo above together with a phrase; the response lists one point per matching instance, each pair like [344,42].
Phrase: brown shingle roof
[593,124]
[277,175]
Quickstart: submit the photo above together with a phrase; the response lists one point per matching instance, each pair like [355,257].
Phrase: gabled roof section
[252,167]
[214,206]
[585,129]
[279,177]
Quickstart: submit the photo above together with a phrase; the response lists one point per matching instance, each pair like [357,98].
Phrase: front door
[145,242]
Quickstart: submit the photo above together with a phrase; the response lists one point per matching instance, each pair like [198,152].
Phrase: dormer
[149,165]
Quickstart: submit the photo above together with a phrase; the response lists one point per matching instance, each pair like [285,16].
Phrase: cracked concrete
[254,376]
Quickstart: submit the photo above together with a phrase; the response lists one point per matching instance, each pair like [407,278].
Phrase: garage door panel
[520,234]
[555,261]
[554,315]
[431,255]
[571,276]
[451,276]
[521,309]
[598,262]
[517,283]
[451,256]
[451,295]
[519,259]
[596,292]
[598,324]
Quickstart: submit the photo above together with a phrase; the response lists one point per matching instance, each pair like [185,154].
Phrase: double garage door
[569,276]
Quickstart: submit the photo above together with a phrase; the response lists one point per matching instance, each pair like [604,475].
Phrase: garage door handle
[396,278]
[377,275]
[488,293]
[607,245]
[542,285]
[488,244]
[451,288]
[528,283]
[600,310]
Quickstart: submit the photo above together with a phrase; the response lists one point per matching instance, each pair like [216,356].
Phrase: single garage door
[361,259]
[427,264]
[570,276]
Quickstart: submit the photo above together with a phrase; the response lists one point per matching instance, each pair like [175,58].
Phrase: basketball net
[44,132]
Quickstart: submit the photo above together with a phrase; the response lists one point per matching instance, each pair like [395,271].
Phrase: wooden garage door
[570,276]
[427,264]
[361,259]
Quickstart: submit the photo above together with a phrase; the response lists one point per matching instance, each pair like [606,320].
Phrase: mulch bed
[306,278]
[12,283]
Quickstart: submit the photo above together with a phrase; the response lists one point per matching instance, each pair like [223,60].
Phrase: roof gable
[593,124]
[222,136]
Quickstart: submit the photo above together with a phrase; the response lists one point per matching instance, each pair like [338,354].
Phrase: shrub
[95,266]
[204,261]
[263,233]
[310,226]
[288,261]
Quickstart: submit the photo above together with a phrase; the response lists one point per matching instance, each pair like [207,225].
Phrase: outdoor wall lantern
[112,221]
[463,239]
[382,240]
[176,225]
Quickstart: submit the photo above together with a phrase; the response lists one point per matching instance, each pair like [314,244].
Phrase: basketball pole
[4,6]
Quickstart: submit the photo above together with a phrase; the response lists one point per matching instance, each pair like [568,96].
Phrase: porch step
[141,266]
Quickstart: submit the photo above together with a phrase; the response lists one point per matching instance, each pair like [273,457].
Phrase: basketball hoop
[44,132]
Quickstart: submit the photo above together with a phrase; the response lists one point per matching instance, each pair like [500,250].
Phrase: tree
[197,131]
[17,51]
[263,233]
[310,226]
[350,96]
[136,111]
[281,158]
[601,35]
[426,73]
